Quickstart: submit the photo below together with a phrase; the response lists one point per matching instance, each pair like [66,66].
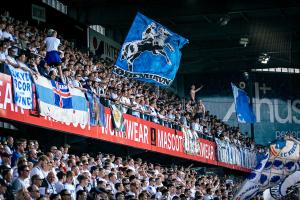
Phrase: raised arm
[198,89]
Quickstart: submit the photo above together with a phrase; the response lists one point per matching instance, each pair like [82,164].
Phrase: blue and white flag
[281,161]
[243,109]
[281,190]
[251,185]
[150,52]
[22,87]
[61,103]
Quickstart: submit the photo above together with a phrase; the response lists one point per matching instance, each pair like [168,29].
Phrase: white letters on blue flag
[22,88]
[243,109]
[150,52]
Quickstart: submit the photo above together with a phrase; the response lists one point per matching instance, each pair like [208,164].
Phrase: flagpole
[236,115]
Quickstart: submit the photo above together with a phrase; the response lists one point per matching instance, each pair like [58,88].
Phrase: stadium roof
[223,35]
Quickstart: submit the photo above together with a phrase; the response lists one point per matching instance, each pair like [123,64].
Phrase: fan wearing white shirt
[125,101]
[209,194]
[52,43]
[41,168]
[3,47]
[10,58]
[136,107]
[7,33]
[151,187]
[2,26]
[59,185]
[22,181]
[69,184]
[21,59]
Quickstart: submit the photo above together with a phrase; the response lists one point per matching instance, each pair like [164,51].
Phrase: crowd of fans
[28,173]
[41,53]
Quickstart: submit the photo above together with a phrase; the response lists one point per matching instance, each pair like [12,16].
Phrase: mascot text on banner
[150,53]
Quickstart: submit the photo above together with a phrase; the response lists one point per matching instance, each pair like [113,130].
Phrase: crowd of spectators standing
[45,53]
[27,173]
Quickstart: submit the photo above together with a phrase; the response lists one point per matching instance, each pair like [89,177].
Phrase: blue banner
[150,52]
[22,87]
[92,108]
[97,110]
[243,109]
[102,117]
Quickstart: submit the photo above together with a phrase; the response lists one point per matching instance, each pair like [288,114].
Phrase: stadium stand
[78,70]
[29,173]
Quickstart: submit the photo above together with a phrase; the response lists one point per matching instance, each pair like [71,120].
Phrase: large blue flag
[243,109]
[150,52]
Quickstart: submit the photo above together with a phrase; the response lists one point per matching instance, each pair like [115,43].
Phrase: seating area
[23,46]
[30,172]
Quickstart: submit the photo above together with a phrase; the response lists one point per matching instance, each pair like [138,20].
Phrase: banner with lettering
[276,104]
[22,87]
[233,154]
[138,133]
[191,141]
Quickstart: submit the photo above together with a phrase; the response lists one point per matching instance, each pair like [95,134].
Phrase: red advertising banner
[139,133]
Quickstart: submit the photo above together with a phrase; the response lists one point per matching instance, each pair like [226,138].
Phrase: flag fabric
[61,103]
[62,96]
[229,153]
[279,162]
[102,116]
[22,87]
[191,142]
[93,108]
[250,187]
[281,190]
[117,118]
[243,109]
[150,52]
[97,110]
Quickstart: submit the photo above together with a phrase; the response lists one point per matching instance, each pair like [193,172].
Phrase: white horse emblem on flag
[152,41]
